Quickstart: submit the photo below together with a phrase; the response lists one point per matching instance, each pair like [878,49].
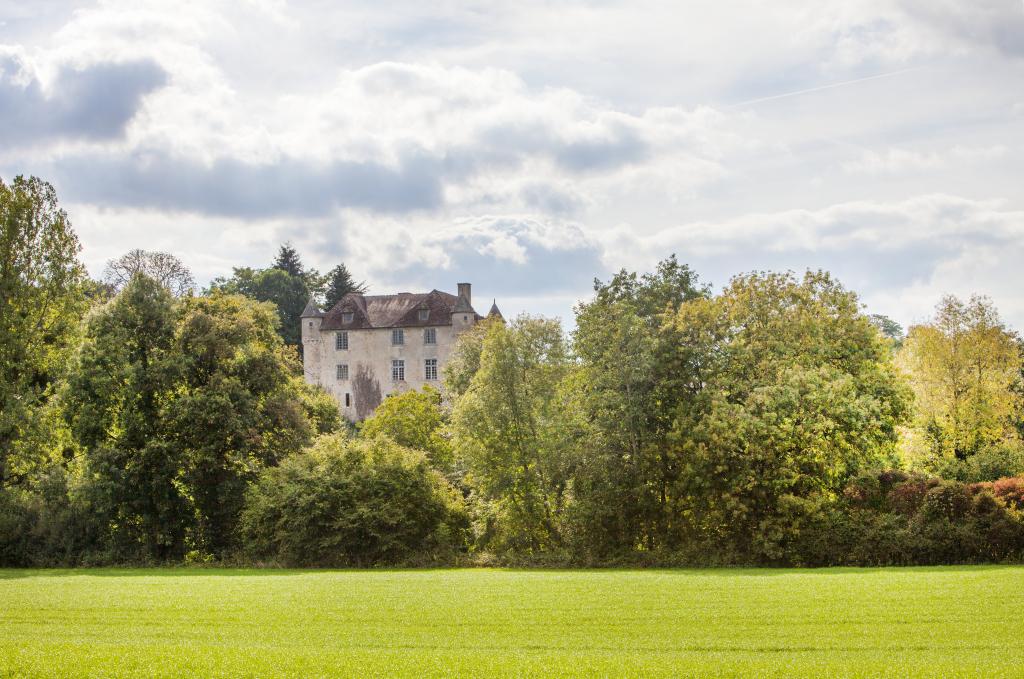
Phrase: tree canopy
[41,298]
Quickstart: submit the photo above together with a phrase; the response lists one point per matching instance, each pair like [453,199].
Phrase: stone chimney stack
[465,290]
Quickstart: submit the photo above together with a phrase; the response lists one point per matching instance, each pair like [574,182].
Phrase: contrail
[824,87]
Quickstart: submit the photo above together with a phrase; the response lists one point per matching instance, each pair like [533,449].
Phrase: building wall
[369,357]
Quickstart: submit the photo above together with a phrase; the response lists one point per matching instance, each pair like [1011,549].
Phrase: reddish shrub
[906,497]
[1010,491]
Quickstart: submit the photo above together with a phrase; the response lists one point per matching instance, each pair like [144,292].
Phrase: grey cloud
[998,24]
[549,199]
[96,102]
[235,188]
[620,146]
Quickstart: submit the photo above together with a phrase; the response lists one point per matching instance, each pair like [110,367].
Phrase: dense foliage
[346,502]
[771,422]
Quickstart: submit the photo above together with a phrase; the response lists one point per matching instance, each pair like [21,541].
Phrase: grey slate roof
[311,310]
[495,311]
[401,310]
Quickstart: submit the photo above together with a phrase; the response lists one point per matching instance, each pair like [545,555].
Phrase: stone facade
[370,346]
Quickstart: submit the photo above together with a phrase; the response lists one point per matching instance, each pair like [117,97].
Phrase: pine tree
[288,260]
[339,284]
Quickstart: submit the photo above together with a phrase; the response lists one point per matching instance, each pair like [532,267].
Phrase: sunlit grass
[892,622]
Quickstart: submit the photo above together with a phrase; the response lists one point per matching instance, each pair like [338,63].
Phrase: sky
[529,147]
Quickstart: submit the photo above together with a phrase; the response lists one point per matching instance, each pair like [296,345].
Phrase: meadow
[952,621]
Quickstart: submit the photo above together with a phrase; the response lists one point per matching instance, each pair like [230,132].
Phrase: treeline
[772,422]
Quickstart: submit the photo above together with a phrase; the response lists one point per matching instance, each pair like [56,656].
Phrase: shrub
[345,502]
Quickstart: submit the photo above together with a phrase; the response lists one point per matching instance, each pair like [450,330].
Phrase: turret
[311,319]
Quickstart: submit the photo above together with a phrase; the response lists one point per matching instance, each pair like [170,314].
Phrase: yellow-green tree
[508,429]
[41,301]
[414,419]
[964,366]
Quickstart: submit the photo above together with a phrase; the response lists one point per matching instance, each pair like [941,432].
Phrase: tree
[791,391]
[414,419]
[238,406]
[41,301]
[288,260]
[287,292]
[163,267]
[115,397]
[508,429]
[339,284]
[179,404]
[888,327]
[631,365]
[346,502]
[965,368]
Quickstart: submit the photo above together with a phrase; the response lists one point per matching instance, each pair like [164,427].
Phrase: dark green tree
[178,405]
[339,284]
[288,260]
[115,397]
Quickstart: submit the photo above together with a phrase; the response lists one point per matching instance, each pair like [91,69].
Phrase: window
[341,341]
[430,336]
[465,319]
[347,316]
[348,400]
[398,337]
[343,371]
[430,368]
[311,324]
[398,370]
[424,314]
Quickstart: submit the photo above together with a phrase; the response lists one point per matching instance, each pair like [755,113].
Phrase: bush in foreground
[353,502]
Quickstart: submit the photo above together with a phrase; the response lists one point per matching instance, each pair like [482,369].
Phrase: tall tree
[41,300]
[115,398]
[339,284]
[163,267]
[965,368]
[628,391]
[508,429]
[288,260]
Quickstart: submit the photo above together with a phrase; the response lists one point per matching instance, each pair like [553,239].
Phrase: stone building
[369,346]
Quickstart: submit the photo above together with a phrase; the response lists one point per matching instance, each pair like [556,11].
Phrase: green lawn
[921,621]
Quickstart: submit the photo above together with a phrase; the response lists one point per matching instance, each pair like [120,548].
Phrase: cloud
[511,255]
[93,103]
[231,187]
[891,252]
[897,160]
[988,24]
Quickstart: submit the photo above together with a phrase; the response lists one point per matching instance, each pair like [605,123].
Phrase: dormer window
[347,316]
[424,314]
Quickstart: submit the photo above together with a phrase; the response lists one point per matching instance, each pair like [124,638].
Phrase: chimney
[465,291]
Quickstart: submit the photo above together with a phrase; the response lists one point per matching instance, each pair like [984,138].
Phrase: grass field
[895,622]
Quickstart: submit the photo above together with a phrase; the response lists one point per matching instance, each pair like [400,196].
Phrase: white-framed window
[341,341]
[342,371]
[430,369]
[347,316]
[430,335]
[398,370]
[424,314]
[397,337]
